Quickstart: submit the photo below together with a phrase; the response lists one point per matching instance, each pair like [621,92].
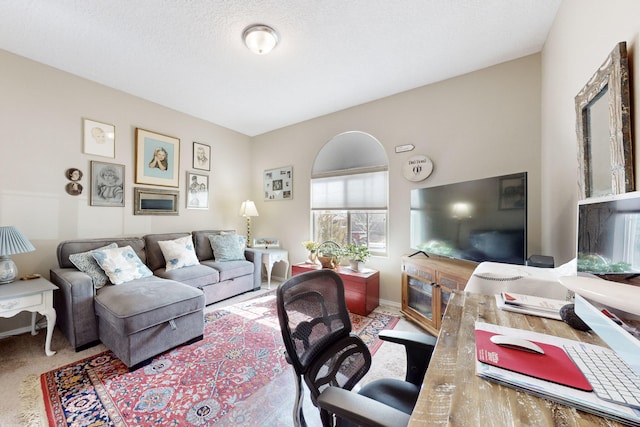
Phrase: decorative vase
[356,265]
[313,258]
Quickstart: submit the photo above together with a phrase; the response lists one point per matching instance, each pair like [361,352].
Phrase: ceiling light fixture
[260,39]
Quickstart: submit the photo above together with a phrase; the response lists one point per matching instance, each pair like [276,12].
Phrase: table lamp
[12,241]
[248,209]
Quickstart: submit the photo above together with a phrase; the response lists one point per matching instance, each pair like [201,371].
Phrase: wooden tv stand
[427,284]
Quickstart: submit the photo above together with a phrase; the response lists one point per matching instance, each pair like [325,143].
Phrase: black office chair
[316,330]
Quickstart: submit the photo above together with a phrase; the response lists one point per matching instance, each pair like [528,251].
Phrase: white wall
[482,124]
[41,112]
[583,34]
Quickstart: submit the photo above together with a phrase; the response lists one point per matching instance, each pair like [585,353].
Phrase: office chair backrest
[312,313]
[316,330]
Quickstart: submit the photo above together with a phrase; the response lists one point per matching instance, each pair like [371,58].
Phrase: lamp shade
[12,241]
[260,39]
[248,208]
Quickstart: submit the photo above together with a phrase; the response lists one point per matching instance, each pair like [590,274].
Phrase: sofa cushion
[155,258]
[178,253]
[86,263]
[227,247]
[69,247]
[121,264]
[146,302]
[203,244]
[193,275]
[231,269]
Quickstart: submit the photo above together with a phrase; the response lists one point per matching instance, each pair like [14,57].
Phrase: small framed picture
[278,183]
[201,156]
[152,201]
[197,191]
[157,159]
[107,184]
[99,138]
[266,243]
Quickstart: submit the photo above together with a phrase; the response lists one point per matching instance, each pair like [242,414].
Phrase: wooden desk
[452,394]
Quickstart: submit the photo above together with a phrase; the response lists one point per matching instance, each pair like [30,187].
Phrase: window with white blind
[349,192]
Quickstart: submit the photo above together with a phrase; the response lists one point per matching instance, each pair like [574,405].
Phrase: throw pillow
[227,247]
[179,252]
[85,262]
[121,264]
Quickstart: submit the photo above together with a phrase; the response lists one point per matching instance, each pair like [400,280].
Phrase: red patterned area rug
[236,376]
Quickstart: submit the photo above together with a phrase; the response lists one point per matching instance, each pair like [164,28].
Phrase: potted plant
[357,256]
[329,254]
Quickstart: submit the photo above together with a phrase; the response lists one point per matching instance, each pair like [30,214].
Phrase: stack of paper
[527,304]
[582,400]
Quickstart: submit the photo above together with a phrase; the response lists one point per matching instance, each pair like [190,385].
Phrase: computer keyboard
[611,378]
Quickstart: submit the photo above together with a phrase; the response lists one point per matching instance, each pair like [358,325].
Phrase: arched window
[349,192]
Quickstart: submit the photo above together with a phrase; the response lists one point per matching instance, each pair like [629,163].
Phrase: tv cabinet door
[427,286]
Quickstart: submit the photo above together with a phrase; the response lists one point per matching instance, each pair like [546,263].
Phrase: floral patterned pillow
[227,246]
[179,252]
[121,264]
[86,263]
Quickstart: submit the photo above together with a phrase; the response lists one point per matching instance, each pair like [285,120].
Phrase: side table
[270,257]
[361,288]
[34,295]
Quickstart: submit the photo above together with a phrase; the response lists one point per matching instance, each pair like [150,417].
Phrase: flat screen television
[608,235]
[480,220]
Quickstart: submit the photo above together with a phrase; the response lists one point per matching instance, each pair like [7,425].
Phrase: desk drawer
[19,303]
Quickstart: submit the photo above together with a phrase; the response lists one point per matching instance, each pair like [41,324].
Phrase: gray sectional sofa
[146,316]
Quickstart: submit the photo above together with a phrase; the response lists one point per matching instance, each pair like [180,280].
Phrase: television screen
[609,234]
[479,220]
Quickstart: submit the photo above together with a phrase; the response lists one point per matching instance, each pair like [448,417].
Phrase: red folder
[554,365]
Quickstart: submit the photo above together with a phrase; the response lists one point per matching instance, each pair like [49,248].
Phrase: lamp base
[8,270]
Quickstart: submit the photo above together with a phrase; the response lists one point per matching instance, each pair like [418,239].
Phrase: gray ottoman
[140,319]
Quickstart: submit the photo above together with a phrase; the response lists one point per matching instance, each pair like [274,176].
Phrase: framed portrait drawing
[197,191]
[107,184]
[513,193]
[152,201]
[99,138]
[157,159]
[201,156]
[278,183]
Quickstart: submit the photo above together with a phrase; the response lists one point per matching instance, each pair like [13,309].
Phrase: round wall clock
[417,168]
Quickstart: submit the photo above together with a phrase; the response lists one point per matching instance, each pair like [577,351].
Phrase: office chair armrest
[360,409]
[419,348]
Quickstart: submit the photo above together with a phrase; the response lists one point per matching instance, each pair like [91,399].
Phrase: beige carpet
[22,360]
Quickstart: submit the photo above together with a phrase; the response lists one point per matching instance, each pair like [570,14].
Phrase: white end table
[270,257]
[34,295]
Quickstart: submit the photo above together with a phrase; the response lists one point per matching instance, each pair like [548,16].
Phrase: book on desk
[528,304]
[556,391]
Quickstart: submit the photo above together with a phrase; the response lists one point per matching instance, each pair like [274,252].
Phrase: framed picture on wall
[153,201]
[197,191]
[278,183]
[201,156]
[99,138]
[157,159]
[107,184]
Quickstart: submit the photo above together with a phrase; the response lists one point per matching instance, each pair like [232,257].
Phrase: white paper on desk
[583,400]
[526,310]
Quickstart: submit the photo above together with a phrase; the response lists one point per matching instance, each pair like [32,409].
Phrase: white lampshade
[248,208]
[260,39]
[12,241]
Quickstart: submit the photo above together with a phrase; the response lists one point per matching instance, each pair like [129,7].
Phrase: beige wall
[41,112]
[482,124]
[583,34]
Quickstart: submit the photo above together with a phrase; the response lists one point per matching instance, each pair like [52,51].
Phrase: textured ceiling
[188,55]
